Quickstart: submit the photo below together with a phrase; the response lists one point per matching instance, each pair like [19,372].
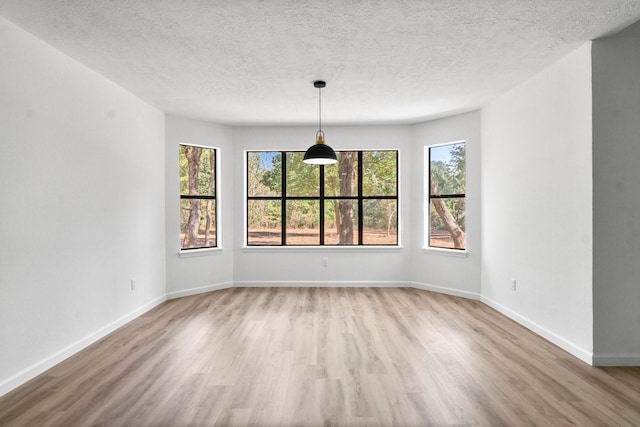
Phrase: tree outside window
[198,208]
[354,202]
[446,198]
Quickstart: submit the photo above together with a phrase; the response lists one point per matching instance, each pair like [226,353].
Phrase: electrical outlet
[133,284]
[325,262]
[513,284]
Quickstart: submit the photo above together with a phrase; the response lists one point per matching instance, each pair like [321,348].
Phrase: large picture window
[446,196]
[198,207]
[354,202]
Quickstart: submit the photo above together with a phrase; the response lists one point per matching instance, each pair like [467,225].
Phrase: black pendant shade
[320,153]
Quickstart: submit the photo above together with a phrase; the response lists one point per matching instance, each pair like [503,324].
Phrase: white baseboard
[445,290]
[36,369]
[561,342]
[616,359]
[199,290]
[319,284]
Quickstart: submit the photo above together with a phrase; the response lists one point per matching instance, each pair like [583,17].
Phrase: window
[446,196]
[198,207]
[354,202]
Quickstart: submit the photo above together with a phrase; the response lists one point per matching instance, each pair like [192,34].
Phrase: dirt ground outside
[441,239]
[307,236]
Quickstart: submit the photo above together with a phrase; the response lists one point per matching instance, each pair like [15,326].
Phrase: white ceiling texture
[254,61]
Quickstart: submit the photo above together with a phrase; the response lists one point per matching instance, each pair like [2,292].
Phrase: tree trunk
[193,159]
[344,213]
[336,206]
[346,222]
[459,236]
[389,220]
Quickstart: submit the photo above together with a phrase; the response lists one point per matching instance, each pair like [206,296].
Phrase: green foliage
[303,214]
[303,180]
[205,172]
[380,173]
[449,176]
[378,213]
[380,170]
[264,214]
[270,173]
[330,213]
[457,208]
[264,174]
[332,179]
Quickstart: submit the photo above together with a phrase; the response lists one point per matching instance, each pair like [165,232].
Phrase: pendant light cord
[319,109]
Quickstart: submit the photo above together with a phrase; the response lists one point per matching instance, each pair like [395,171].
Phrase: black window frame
[213,197]
[283,198]
[441,196]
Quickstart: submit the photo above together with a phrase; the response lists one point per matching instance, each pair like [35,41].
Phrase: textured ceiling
[253,62]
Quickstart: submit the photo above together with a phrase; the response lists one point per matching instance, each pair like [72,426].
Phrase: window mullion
[321,202]
[283,204]
[360,201]
[447,196]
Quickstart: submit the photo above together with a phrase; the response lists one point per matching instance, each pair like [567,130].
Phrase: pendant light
[320,153]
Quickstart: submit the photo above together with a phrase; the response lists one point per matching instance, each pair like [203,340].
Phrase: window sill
[199,252]
[445,252]
[311,249]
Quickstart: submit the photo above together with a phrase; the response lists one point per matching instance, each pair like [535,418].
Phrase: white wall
[255,266]
[537,203]
[616,213]
[82,211]
[440,270]
[199,271]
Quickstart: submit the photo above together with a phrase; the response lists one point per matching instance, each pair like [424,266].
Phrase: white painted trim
[323,248]
[187,253]
[47,363]
[616,360]
[199,290]
[446,291]
[545,333]
[321,284]
[245,245]
[445,252]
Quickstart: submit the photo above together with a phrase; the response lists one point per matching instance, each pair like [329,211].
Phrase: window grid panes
[446,196]
[198,207]
[291,203]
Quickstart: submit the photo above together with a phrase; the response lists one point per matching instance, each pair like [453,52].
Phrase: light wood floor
[324,356]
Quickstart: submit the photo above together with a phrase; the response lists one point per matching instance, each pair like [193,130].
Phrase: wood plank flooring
[320,357]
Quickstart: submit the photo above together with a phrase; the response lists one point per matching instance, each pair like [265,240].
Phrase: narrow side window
[198,205]
[446,196]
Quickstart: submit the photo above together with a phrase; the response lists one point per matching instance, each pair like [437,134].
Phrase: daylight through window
[198,207]
[354,202]
[446,196]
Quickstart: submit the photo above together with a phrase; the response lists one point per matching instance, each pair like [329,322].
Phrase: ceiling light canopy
[320,153]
